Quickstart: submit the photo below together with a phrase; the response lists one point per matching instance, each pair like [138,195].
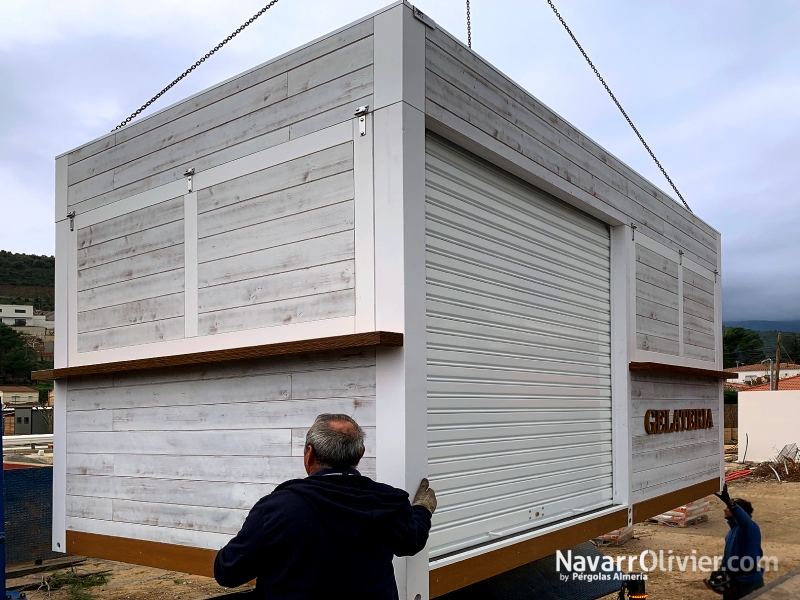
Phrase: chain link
[619,106]
[195,65]
[469,27]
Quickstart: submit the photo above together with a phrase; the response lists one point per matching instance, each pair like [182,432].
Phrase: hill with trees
[27,269]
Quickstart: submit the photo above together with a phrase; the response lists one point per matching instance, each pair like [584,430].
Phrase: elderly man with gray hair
[331,535]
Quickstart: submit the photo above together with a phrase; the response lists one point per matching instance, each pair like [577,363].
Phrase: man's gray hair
[336,448]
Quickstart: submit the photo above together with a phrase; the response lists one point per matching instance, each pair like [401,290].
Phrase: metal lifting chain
[614,98]
[195,65]
[469,27]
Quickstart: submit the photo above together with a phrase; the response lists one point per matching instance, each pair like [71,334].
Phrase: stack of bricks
[617,537]
[687,514]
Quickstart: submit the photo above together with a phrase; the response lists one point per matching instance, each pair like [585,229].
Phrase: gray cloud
[713,86]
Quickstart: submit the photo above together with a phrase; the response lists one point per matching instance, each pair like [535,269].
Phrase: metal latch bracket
[189,174]
[361,113]
[424,18]
[71,217]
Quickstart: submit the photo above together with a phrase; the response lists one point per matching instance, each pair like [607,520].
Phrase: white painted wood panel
[305,169]
[463,84]
[670,461]
[131,313]
[148,263]
[319,279]
[166,453]
[212,494]
[136,531]
[165,165]
[315,192]
[336,64]
[325,306]
[314,223]
[131,335]
[134,222]
[270,261]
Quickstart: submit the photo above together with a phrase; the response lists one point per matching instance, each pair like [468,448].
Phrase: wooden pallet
[686,522]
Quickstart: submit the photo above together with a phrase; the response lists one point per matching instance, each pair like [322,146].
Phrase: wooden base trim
[200,561]
[655,506]
[664,368]
[339,342]
[472,570]
[170,557]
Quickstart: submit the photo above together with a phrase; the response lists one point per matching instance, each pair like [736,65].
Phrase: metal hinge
[361,113]
[71,217]
[424,18]
[189,174]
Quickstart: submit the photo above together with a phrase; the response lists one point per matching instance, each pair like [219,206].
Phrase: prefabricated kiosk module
[382,224]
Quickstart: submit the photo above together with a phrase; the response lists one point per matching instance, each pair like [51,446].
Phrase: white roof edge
[690,214]
[243,73]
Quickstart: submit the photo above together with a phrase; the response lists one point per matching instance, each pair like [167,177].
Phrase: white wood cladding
[518,337]
[130,278]
[467,96]
[277,246]
[666,462]
[675,303]
[308,90]
[181,455]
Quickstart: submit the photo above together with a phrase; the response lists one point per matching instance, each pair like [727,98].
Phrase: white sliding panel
[263,249]
[519,354]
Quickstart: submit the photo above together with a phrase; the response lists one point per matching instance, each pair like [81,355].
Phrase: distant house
[21,410]
[16,316]
[11,395]
[789,383]
[751,373]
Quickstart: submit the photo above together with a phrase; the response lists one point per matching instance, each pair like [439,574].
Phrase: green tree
[741,345]
[9,339]
[17,364]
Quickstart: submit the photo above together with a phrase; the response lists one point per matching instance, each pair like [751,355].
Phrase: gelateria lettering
[660,421]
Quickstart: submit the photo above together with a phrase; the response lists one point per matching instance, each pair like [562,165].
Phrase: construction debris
[615,538]
[686,514]
[782,468]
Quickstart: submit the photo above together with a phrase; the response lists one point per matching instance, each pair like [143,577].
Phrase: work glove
[425,496]
[725,496]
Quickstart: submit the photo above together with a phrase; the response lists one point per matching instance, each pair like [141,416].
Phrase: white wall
[745,376]
[770,421]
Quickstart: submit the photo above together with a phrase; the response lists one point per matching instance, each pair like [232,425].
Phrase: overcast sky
[714,86]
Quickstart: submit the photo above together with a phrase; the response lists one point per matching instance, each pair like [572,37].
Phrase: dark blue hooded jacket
[743,539]
[331,535]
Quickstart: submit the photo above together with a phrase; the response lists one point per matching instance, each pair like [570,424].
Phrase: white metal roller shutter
[519,353]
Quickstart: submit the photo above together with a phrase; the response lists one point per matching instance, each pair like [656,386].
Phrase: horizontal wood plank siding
[311,89]
[465,93]
[278,245]
[180,455]
[699,340]
[130,275]
[657,302]
[666,462]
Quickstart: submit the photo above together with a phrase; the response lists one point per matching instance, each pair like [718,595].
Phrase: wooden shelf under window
[339,342]
[665,368]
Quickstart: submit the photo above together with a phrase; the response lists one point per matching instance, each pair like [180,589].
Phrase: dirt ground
[777,511]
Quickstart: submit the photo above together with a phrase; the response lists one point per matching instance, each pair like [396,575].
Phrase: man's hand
[725,496]
[425,496]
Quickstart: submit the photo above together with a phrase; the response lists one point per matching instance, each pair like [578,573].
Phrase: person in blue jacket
[742,547]
[332,535]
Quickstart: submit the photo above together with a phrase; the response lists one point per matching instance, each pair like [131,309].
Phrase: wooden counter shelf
[665,368]
[339,342]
